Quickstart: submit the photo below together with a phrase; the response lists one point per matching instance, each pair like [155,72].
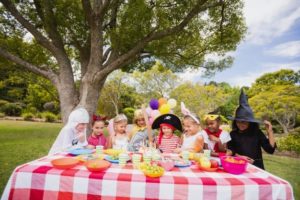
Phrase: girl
[73,134]
[167,141]
[97,137]
[141,133]
[217,138]
[119,140]
[193,139]
[139,123]
[246,136]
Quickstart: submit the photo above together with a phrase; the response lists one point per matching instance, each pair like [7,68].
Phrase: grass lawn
[25,141]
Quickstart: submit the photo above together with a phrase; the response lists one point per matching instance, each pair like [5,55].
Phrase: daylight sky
[272,43]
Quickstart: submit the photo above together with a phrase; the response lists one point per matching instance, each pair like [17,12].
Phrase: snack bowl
[97,165]
[168,165]
[64,163]
[234,165]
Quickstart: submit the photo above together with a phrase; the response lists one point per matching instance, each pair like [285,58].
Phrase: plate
[64,163]
[97,165]
[208,169]
[76,152]
[108,158]
[182,164]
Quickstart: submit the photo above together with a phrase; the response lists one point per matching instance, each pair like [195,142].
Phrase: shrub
[28,116]
[39,115]
[2,115]
[129,112]
[290,142]
[3,102]
[12,109]
[49,117]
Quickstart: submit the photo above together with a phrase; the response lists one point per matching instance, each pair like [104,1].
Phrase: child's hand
[268,125]
[80,136]
[250,160]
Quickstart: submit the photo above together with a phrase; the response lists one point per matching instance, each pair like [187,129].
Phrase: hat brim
[245,120]
[162,119]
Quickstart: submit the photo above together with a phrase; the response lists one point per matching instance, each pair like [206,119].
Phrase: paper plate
[97,165]
[208,169]
[64,163]
[108,158]
[182,164]
[76,152]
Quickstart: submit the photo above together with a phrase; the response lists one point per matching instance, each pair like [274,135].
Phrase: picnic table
[40,180]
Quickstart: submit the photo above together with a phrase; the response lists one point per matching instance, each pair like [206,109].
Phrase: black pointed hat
[168,119]
[244,111]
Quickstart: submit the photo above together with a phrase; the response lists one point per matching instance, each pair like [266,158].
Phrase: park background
[44,69]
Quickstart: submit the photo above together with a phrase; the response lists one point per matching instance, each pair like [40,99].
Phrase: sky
[272,43]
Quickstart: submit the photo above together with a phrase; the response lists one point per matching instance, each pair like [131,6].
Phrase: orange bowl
[211,169]
[97,165]
[64,163]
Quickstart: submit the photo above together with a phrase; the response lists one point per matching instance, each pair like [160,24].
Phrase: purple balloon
[154,104]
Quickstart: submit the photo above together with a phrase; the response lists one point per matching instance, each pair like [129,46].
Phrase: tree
[156,82]
[84,42]
[116,94]
[280,103]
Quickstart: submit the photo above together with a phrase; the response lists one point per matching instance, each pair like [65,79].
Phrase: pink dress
[97,140]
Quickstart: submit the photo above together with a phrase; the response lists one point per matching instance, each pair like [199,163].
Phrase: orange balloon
[162,101]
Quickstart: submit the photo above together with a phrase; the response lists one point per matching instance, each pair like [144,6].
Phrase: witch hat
[244,111]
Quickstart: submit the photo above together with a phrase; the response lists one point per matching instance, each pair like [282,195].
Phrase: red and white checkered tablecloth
[39,180]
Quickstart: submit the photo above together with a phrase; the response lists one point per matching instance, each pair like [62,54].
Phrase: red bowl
[234,165]
[64,163]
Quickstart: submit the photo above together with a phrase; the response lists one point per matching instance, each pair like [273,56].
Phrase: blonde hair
[138,114]
[120,118]
[192,119]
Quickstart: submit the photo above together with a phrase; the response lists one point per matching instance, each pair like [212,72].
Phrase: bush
[129,112]
[28,116]
[49,117]
[12,109]
[3,103]
[2,115]
[289,143]
[39,115]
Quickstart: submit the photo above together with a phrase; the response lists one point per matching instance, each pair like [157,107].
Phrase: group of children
[245,139]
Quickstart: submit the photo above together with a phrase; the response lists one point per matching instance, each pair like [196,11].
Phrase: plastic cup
[206,153]
[185,155]
[123,159]
[99,149]
[136,160]
[147,158]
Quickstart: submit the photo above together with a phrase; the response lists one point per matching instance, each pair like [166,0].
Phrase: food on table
[234,165]
[151,170]
[114,153]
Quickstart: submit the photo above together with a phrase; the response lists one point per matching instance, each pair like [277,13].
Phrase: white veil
[68,132]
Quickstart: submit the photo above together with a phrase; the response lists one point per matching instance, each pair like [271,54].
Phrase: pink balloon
[154,114]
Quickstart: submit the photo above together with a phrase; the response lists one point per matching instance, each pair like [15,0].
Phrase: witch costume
[68,136]
[248,142]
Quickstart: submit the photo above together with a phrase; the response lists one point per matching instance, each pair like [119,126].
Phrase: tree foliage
[72,41]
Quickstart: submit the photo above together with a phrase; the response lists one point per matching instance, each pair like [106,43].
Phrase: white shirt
[224,137]
[189,141]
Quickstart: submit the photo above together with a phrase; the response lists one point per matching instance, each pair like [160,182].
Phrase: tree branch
[25,23]
[155,35]
[47,74]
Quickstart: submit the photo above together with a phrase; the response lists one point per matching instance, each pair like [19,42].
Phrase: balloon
[154,114]
[172,103]
[162,101]
[154,104]
[148,111]
[164,109]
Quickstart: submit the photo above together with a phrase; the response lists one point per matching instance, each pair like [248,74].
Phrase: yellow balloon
[165,108]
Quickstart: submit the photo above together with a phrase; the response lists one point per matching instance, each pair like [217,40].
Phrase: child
[142,132]
[139,123]
[119,140]
[217,138]
[167,141]
[193,139]
[97,137]
[73,133]
[246,136]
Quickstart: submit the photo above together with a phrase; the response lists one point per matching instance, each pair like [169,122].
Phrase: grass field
[25,141]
